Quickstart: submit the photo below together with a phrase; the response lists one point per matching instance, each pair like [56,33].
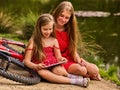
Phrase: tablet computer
[55,64]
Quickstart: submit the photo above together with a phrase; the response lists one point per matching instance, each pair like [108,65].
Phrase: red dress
[63,41]
[50,56]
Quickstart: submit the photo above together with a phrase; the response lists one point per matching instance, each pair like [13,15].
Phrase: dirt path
[6,84]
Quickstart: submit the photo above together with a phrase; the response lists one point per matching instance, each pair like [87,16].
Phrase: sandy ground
[6,84]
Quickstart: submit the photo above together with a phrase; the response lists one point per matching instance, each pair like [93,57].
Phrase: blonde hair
[71,27]
[43,20]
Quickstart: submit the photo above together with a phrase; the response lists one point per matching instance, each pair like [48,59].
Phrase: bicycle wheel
[15,70]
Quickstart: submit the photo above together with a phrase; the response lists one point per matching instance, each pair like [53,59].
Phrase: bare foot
[96,77]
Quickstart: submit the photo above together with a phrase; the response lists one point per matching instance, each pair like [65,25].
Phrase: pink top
[50,56]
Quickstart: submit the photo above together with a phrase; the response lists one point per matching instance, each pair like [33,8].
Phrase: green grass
[110,74]
[13,37]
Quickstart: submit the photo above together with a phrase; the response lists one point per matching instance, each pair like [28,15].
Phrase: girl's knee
[59,71]
[81,71]
[41,72]
[78,70]
[93,69]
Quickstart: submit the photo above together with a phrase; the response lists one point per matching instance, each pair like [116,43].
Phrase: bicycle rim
[17,73]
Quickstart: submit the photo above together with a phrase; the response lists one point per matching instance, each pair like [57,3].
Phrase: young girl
[43,48]
[66,31]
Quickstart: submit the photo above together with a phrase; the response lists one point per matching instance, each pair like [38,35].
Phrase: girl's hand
[63,59]
[82,62]
[79,60]
[40,66]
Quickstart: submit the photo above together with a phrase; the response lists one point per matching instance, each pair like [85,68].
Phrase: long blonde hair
[71,27]
[44,19]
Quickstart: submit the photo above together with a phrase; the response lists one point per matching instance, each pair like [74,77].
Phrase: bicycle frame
[10,56]
[6,49]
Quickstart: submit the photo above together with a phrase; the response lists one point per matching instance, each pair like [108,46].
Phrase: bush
[6,23]
[110,74]
[26,24]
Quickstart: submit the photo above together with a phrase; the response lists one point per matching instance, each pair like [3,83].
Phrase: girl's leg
[54,78]
[77,69]
[74,76]
[60,70]
[51,77]
[93,71]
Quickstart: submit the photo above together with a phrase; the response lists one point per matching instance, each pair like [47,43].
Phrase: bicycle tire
[35,79]
[20,79]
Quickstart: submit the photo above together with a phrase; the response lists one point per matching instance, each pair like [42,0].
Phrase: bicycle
[12,66]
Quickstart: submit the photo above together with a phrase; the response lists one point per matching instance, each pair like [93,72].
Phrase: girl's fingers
[40,66]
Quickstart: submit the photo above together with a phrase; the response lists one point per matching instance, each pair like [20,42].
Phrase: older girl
[66,31]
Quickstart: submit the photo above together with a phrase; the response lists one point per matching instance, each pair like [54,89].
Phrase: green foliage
[88,47]
[112,70]
[12,36]
[6,23]
[27,23]
[97,5]
[110,74]
[104,73]
[94,59]
[19,7]
[103,33]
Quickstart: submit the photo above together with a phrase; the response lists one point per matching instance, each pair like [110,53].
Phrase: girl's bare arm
[57,51]
[28,57]
[79,60]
